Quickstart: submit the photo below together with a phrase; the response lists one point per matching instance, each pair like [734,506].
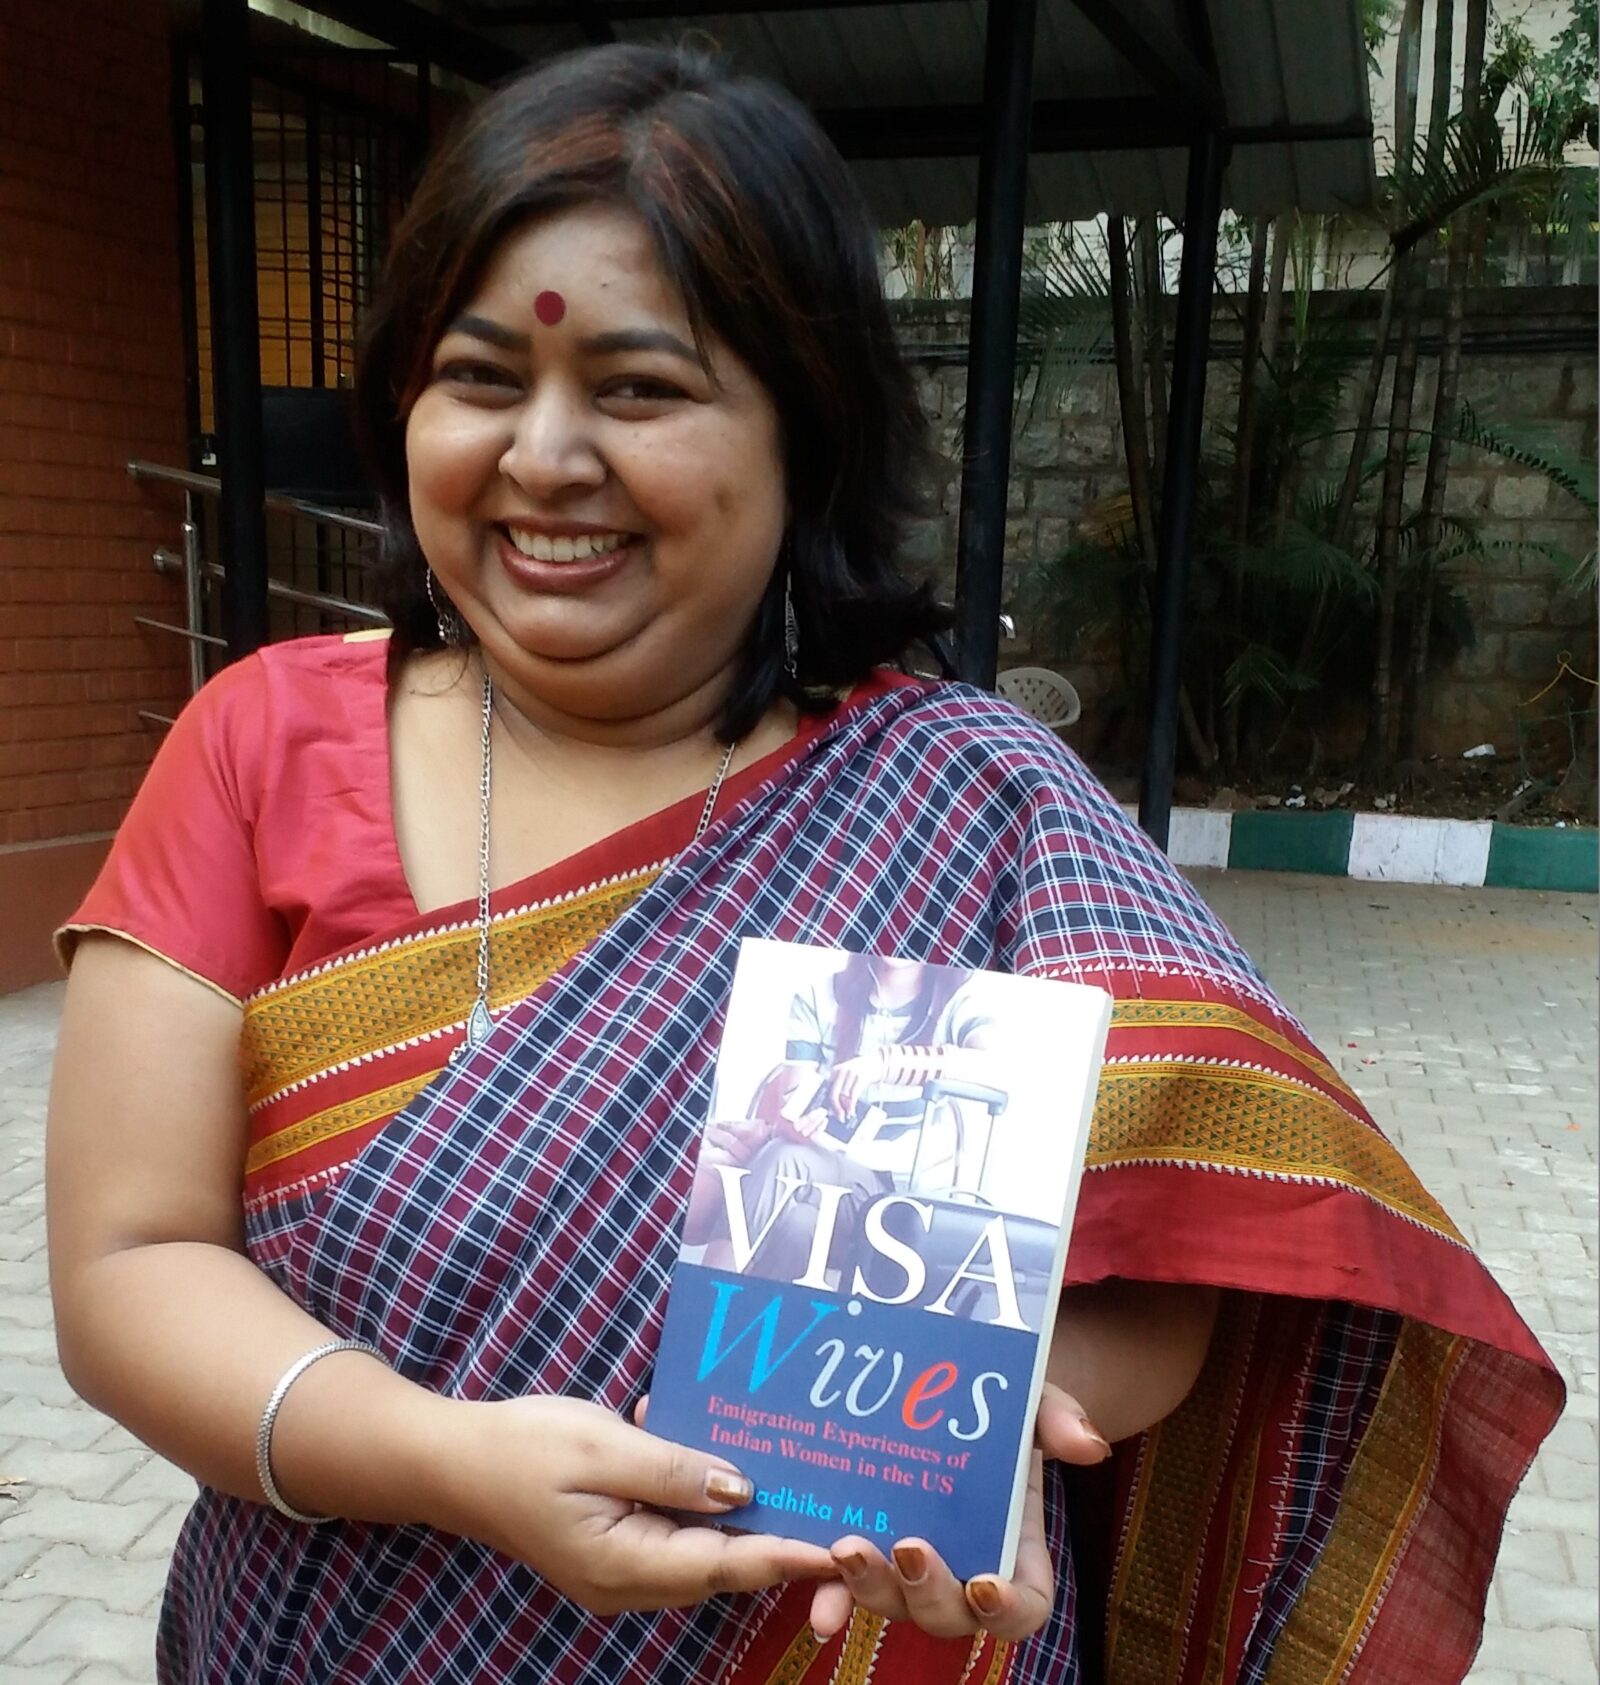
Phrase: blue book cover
[872,1254]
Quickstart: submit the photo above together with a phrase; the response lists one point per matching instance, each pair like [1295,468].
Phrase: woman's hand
[559,1484]
[913,1583]
[849,1081]
[738,1140]
[806,1128]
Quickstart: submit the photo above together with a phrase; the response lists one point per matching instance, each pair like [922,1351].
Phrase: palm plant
[1299,584]
[921,258]
[1271,621]
[1313,571]
[1529,448]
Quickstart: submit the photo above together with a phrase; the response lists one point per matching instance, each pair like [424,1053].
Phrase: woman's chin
[565,640]
[599,679]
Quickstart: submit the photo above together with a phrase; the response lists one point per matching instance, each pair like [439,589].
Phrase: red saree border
[1195,1083]
[785,1651]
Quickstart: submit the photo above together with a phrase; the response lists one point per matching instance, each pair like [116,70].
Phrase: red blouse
[262,840]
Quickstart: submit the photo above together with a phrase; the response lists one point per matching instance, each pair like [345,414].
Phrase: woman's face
[604,510]
[894,979]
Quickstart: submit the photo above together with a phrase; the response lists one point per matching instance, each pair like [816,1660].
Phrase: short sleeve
[182,878]
[965,1018]
[804,1043]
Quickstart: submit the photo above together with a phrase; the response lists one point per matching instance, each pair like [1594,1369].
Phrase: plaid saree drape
[1326,1505]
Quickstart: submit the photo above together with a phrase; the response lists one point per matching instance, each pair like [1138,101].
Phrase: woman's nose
[552,445]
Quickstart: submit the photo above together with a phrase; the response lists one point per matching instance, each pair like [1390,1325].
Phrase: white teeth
[541,547]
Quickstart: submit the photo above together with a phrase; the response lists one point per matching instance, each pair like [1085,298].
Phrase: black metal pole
[424,125]
[183,154]
[235,321]
[992,354]
[1201,211]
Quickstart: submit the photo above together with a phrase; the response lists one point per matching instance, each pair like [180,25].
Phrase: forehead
[600,259]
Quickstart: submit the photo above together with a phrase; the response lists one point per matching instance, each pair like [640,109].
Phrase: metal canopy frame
[1116,123]
[1184,107]
[1188,81]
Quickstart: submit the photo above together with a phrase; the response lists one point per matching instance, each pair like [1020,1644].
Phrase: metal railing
[208,485]
[189,562]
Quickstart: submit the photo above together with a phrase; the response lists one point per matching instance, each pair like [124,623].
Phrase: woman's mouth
[563,562]
[548,547]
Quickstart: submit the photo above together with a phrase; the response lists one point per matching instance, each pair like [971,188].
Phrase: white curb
[1384,847]
[1398,848]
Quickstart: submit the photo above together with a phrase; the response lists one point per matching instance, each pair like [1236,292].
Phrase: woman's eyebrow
[640,339]
[480,327]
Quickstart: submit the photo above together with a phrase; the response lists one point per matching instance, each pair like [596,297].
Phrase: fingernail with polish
[984,1595]
[851,1561]
[912,1561]
[726,1487]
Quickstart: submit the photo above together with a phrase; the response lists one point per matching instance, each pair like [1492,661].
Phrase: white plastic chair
[1045,694]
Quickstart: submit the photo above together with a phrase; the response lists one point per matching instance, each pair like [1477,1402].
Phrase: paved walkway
[1465,1018]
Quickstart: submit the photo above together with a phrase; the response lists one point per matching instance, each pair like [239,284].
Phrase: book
[860,1311]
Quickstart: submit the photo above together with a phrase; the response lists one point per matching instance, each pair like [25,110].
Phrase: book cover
[872,1255]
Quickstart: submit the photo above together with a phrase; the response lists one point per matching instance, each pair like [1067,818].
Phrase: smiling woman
[601,501]
[393,1016]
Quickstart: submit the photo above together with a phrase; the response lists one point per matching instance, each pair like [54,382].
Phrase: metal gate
[337,137]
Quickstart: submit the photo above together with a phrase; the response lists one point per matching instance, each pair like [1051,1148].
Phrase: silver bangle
[270,1415]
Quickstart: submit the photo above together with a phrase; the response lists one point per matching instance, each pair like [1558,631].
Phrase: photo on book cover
[874,1240]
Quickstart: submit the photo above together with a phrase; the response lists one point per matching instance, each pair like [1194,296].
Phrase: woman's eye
[474,374]
[642,389]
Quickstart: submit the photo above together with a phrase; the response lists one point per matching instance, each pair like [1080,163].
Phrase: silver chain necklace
[480,1020]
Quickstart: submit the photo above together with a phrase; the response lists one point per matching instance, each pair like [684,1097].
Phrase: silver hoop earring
[791,629]
[449,621]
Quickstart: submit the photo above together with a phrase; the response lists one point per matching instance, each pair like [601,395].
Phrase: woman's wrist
[449,1450]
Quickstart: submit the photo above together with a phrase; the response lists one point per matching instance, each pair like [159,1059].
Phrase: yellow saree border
[414,988]
[1389,1480]
[1233,1567]
[862,1640]
[796,1661]
[1184,1110]
[1151,1011]
[858,1655]
[335,1121]
[1205,1114]
[1184,1458]
[999,1664]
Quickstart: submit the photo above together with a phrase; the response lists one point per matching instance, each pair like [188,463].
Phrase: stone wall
[1529,360]
[1524,614]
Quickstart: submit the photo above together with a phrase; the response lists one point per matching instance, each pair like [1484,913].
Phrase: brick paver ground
[1465,1018]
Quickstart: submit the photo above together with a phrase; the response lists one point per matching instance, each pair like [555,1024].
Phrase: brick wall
[91,373]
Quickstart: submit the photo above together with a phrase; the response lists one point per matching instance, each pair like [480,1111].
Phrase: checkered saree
[1325,1506]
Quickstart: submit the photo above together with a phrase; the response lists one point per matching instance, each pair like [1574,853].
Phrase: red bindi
[549,307]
